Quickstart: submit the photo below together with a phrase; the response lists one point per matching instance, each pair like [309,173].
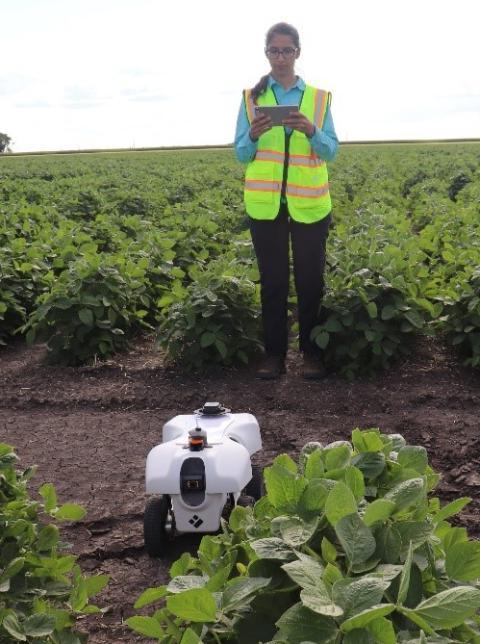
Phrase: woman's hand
[298,121]
[260,124]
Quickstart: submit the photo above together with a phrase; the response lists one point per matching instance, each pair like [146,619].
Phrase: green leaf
[322,339]
[337,457]
[147,626]
[463,561]
[237,518]
[207,339]
[317,599]
[296,532]
[39,625]
[331,574]
[358,636]
[12,626]
[360,620]
[196,605]
[314,496]
[357,540]
[449,608]
[359,594]
[314,468]
[221,348]
[378,510]
[218,580]
[239,592]
[49,496]
[150,596]
[190,637]
[450,509]
[70,512]
[405,577]
[354,480]
[388,312]
[418,620]
[307,573]
[389,544]
[272,548]
[286,461]
[371,464]
[95,584]
[415,318]
[284,488]
[413,457]
[340,502]
[406,494]
[47,538]
[182,565]
[181,583]
[12,568]
[416,532]
[383,631]
[372,309]
[299,624]
[367,441]
[329,552]
[86,316]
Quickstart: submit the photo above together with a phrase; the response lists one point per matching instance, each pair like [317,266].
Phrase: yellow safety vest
[287,165]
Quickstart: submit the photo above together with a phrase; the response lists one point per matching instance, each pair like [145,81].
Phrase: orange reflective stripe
[249,105]
[265,186]
[267,151]
[320,104]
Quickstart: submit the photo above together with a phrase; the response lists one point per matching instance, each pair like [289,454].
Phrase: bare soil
[89,430]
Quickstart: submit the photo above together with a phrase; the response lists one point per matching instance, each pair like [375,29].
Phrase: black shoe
[313,367]
[271,367]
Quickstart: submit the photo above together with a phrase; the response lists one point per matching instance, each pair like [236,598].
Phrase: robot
[200,471]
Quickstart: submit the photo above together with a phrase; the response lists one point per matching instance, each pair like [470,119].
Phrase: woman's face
[282,54]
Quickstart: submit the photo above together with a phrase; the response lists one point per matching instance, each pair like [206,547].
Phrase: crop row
[96,249]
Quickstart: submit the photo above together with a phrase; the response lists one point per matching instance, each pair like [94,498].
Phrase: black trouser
[271,242]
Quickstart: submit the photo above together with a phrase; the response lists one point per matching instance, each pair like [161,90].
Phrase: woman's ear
[298,53]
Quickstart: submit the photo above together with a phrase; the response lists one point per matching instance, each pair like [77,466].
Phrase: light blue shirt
[324,142]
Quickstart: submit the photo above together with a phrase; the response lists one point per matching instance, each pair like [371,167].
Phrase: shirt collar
[300,83]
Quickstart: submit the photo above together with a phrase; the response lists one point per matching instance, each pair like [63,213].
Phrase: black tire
[154,525]
[255,487]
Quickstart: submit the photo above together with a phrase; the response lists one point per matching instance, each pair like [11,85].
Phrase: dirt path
[89,430]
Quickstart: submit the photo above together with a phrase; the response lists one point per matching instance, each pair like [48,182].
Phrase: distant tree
[5,141]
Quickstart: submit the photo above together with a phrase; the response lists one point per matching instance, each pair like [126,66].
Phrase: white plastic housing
[231,440]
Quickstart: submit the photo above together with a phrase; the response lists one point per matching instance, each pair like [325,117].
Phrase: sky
[78,74]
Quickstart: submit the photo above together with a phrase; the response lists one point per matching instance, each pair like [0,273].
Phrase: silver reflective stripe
[304,191]
[266,155]
[309,162]
[267,186]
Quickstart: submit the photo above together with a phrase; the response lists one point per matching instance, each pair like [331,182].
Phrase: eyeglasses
[286,52]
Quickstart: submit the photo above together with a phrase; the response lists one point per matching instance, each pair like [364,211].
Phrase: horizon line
[225,146]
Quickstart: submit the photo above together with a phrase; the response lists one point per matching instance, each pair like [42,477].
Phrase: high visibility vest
[287,165]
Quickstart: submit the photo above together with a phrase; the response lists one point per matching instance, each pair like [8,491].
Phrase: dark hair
[284,29]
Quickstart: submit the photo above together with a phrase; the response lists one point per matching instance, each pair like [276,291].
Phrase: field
[403,284]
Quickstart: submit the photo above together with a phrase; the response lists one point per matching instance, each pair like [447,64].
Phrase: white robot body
[203,462]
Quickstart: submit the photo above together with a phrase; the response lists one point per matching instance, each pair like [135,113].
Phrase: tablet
[276,112]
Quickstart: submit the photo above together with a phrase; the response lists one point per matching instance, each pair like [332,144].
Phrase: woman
[287,196]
